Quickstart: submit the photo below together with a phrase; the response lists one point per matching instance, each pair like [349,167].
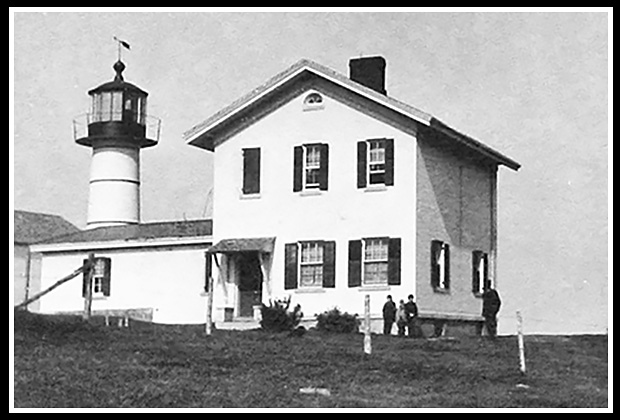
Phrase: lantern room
[117,116]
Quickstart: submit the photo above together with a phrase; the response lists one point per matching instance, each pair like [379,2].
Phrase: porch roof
[224,246]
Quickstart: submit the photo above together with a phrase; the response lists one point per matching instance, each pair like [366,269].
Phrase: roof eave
[475,145]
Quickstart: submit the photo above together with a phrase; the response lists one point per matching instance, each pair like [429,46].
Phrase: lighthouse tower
[116,129]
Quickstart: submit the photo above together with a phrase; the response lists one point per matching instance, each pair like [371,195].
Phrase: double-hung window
[100,277]
[311,264]
[375,262]
[310,167]
[375,162]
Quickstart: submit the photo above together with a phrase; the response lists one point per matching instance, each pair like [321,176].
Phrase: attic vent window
[313,101]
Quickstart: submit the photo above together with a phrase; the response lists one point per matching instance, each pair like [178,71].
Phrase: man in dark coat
[411,309]
[490,307]
[389,315]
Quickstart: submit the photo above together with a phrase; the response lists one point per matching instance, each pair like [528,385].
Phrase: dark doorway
[250,280]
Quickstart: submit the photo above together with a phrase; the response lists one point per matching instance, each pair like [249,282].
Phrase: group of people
[406,315]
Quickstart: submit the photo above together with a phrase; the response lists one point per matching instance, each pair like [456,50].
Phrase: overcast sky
[532,85]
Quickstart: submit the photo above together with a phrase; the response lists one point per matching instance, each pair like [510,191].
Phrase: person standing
[411,310]
[389,315]
[490,307]
[401,318]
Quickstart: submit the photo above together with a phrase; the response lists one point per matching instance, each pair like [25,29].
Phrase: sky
[534,86]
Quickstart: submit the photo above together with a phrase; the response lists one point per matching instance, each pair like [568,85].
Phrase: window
[374,262]
[375,162]
[310,167]
[313,101]
[480,272]
[251,171]
[440,266]
[309,264]
[100,278]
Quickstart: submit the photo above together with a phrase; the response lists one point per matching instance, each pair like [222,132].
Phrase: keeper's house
[327,189]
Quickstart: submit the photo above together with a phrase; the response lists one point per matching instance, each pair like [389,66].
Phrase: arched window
[313,101]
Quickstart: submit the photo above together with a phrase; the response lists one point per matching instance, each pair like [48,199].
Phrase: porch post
[265,273]
[209,321]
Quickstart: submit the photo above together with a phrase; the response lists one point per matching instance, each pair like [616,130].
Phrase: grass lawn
[64,362]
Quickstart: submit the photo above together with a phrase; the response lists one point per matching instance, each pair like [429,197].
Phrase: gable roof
[200,135]
[139,232]
[31,227]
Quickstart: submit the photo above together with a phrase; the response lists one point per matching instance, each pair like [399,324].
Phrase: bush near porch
[63,362]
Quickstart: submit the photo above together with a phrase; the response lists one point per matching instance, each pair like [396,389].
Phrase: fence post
[521,346]
[367,339]
[88,296]
[209,321]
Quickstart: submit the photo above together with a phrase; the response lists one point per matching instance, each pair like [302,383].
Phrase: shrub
[337,322]
[277,318]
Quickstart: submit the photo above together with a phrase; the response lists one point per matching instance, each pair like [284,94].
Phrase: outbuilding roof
[141,231]
[31,227]
[202,136]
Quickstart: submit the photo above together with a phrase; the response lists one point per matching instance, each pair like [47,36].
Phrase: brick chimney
[369,71]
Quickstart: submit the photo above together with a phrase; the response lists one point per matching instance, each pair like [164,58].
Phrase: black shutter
[251,171]
[85,274]
[446,254]
[361,164]
[298,156]
[435,250]
[329,264]
[290,266]
[324,169]
[208,269]
[355,263]
[475,274]
[107,269]
[389,161]
[394,261]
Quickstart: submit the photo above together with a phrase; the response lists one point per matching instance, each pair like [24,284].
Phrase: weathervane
[124,44]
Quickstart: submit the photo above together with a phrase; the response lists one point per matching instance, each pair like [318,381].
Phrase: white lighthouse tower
[116,129]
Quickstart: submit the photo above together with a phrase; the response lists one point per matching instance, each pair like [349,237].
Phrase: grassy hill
[64,362]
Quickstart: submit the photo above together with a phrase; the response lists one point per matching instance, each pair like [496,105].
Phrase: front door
[250,283]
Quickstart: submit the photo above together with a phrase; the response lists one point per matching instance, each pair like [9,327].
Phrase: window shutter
[355,263]
[251,171]
[475,274]
[394,262]
[329,264]
[446,251]
[208,269]
[107,269]
[435,250]
[361,164]
[85,274]
[290,266]
[324,169]
[389,161]
[298,156]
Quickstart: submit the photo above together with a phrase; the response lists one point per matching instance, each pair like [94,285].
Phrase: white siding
[342,213]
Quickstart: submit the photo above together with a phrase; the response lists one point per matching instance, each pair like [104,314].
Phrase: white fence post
[367,339]
[520,338]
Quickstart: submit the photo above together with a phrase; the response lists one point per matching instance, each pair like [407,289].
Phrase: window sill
[101,297]
[381,288]
[441,291]
[375,188]
[313,107]
[310,290]
[477,295]
[249,196]
[310,192]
